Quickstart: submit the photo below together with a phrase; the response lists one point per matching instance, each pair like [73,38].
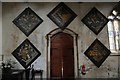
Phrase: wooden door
[62,56]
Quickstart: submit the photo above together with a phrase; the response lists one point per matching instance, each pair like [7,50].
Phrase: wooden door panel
[68,62]
[56,62]
[62,55]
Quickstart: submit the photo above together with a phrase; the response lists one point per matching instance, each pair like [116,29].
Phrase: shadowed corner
[0,74]
[118,67]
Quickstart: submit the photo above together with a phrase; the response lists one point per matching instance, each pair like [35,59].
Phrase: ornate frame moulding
[97,53]
[26,53]
[95,20]
[27,21]
[62,15]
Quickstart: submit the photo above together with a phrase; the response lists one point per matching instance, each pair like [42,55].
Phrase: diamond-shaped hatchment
[26,53]
[62,15]
[27,21]
[95,20]
[97,53]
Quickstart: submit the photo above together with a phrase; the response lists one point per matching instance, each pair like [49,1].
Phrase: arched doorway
[50,37]
[62,56]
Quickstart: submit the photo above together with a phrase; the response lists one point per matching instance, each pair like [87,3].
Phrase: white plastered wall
[0,36]
[12,36]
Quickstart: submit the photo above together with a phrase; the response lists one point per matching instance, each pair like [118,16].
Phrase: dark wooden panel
[68,62]
[62,55]
[56,62]
[62,40]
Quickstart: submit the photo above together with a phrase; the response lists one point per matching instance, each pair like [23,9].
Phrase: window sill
[115,53]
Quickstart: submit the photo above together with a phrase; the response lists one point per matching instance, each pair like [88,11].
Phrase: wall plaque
[27,21]
[26,53]
[95,20]
[97,53]
[62,15]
